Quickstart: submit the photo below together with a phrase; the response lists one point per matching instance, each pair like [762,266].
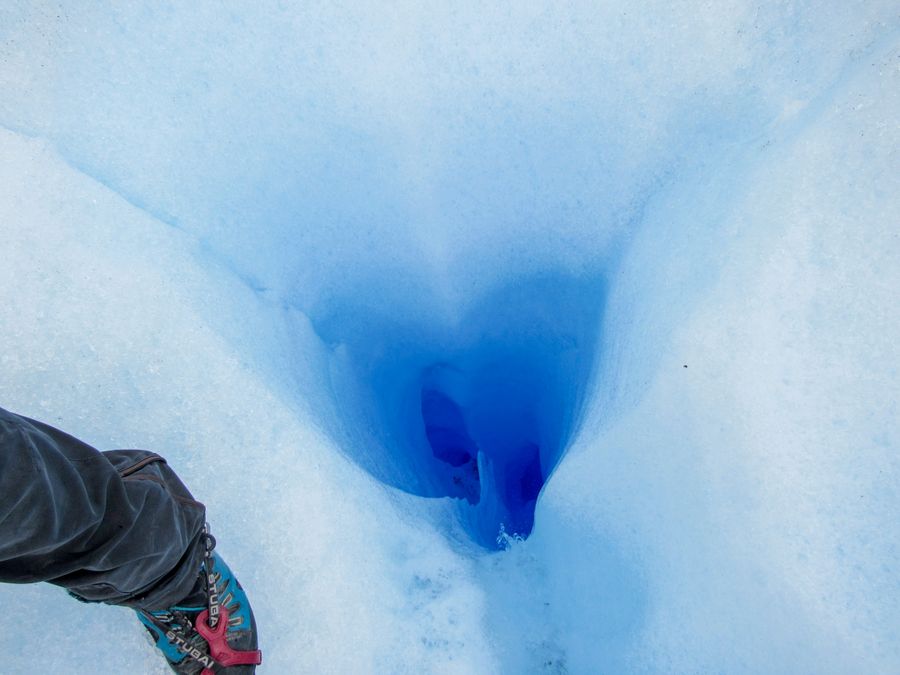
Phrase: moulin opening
[483,430]
[479,411]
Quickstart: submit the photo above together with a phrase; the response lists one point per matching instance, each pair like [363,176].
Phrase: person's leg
[119,527]
[116,527]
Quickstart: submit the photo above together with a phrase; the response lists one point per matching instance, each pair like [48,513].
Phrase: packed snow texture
[497,338]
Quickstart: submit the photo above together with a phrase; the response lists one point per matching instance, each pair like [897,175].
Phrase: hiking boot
[212,630]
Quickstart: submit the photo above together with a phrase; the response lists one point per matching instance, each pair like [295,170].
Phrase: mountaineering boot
[212,630]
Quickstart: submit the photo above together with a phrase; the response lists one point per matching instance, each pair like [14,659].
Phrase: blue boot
[212,630]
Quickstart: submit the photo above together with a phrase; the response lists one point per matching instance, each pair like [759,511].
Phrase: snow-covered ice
[373,277]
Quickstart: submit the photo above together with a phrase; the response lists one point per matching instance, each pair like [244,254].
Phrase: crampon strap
[219,649]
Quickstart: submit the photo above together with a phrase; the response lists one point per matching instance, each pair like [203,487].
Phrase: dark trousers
[117,527]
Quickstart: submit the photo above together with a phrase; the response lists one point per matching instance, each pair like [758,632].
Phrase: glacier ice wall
[623,279]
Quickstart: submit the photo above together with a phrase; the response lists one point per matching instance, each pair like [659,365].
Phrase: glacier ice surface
[379,279]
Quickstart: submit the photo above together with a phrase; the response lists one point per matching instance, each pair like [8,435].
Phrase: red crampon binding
[219,649]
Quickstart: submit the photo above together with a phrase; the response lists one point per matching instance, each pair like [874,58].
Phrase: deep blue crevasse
[479,408]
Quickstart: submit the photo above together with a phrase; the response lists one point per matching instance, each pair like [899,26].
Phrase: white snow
[235,235]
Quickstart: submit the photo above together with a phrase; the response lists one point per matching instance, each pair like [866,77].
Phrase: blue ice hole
[479,407]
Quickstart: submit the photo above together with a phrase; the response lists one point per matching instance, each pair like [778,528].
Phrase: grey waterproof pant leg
[117,527]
